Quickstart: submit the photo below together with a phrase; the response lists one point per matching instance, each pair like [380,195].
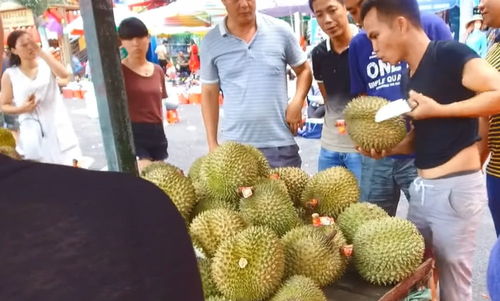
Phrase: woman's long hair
[14,59]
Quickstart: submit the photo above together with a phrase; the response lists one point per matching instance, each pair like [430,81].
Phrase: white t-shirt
[161,52]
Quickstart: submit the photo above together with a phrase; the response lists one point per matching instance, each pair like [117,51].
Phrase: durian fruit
[262,163]
[356,215]
[249,266]
[330,192]
[315,252]
[295,179]
[387,250]
[229,167]
[359,115]
[159,165]
[10,152]
[217,298]
[205,204]
[178,187]
[211,227]
[299,288]
[194,170]
[209,288]
[6,138]
[270,205]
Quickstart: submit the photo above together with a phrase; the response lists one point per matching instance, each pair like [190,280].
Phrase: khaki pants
[448,212]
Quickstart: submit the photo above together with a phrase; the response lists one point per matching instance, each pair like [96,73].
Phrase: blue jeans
[383,180]
[493,185]
[351,161]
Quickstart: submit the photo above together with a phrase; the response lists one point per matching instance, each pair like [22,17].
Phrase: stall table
[352,288]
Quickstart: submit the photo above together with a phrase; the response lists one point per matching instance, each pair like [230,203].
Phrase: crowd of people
[398,53]
[392,51]
[178,67]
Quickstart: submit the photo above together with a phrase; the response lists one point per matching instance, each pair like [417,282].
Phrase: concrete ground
[187,142]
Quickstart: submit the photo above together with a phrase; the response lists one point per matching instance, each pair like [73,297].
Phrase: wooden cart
[352,288]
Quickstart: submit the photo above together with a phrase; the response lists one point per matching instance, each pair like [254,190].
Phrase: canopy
[281,8]
[76,26]
[165,31]
[437,5]
[183,13]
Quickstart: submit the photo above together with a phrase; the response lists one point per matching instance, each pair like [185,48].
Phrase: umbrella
[281,8]
[173,30]
[182,13]
[119,12]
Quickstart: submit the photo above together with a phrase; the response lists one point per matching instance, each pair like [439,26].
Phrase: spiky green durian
[299,288]
[209,288]
[178,187]
[359,115]
[10,152]
[330,192]
[270,205]
[6,138]
[356,215]
[194,170]
[249,266]
[315,253]
[217,298]
[211,227]
[295,180]
[210,204]
[229,167]
[262,163]
[387,250]
[156,166]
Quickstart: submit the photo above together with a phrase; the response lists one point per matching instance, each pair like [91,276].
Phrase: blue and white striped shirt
[253,79]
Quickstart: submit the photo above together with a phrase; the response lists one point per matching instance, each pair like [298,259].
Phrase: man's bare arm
[210,112]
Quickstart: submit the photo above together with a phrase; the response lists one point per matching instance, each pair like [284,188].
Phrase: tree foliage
[37,6]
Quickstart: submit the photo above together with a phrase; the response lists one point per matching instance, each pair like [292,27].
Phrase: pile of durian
[264,234]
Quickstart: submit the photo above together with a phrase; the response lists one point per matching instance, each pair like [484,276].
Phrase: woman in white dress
[30,90]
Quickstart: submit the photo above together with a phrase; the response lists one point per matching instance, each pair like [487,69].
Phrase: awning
[437,5]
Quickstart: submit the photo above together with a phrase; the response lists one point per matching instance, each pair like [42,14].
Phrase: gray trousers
[448,212]
[282,156]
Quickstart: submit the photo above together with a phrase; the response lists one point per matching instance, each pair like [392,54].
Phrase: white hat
[474,18]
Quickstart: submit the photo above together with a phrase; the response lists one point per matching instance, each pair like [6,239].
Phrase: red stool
[172,116]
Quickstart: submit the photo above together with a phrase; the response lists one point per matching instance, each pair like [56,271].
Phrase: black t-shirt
[72,234]
[439,76]
[332,69]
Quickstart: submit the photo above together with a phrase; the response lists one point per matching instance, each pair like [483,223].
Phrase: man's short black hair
[393,8]
[132,28]
[311,4]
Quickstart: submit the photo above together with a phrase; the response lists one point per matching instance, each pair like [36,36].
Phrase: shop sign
[17,18]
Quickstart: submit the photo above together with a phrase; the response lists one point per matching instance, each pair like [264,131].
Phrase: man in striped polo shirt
[491,17]
[246,56]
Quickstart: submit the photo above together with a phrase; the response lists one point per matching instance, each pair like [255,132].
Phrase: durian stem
[332,235]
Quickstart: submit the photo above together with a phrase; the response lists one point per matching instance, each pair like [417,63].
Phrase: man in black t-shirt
[449,87]
[330,60]
[72,234]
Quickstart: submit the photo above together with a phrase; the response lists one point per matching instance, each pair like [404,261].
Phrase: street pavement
[187,142]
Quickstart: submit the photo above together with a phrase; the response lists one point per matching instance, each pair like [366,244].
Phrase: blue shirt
[478,41]
[253,79]
[373,77]
[494,273]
